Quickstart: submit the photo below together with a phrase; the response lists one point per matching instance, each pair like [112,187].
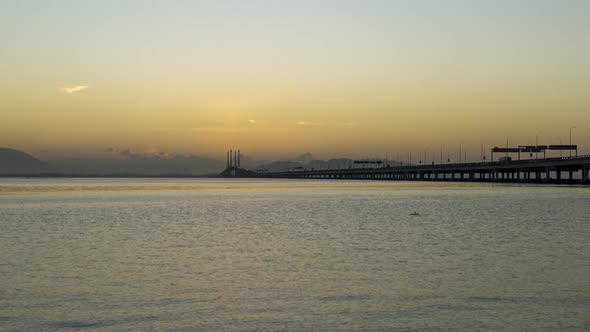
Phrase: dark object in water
[414,214]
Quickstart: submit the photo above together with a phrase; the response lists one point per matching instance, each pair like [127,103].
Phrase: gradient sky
[279,78]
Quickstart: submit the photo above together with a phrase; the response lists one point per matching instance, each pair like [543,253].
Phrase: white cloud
[74,89]
[252,121]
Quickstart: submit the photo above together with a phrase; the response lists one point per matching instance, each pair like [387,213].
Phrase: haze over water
[237,255]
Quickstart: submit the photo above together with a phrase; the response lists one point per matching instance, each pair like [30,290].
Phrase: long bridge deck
[549,170]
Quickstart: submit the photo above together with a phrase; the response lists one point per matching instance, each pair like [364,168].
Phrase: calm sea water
[244,255]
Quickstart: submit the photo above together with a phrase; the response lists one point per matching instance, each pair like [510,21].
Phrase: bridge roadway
[550,170]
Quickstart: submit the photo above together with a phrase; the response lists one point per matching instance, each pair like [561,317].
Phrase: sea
[108,254]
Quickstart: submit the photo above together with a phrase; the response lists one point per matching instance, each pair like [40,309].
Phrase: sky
[362,79]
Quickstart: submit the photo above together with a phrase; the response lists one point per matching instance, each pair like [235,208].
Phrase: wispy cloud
[308,123]
[252,121]
[154,152]
[74,89]
[324,124]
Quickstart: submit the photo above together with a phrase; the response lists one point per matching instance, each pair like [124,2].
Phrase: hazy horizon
[351,79]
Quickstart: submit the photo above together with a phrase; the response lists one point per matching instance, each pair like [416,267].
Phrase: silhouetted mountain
[17,162]
[14,162]
[340,163]
[277,166]
[142,165]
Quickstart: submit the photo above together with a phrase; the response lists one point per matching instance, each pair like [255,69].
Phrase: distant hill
[279,166]
[286,165]
[142,165]
[14,162]
[17,162]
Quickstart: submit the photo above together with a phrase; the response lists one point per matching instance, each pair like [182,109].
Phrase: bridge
[562,170]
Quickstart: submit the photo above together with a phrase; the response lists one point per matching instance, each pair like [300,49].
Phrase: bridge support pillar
[571,177]
[547,174]
[585,172]
[558,175]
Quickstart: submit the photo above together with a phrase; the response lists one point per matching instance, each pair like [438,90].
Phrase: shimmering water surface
[250,255]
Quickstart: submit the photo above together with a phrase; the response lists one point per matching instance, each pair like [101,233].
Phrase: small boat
[414,214]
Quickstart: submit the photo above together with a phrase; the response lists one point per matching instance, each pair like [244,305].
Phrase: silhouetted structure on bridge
[233,166]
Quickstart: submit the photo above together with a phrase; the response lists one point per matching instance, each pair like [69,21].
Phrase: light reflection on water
[234,255]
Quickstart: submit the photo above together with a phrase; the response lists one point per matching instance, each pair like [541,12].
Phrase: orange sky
[357,79]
